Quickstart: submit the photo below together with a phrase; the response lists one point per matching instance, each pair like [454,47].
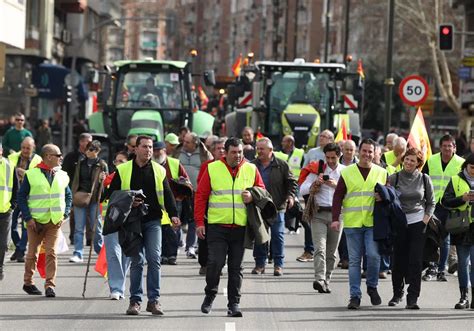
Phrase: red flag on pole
[101,263]
[419,135]
[236,66]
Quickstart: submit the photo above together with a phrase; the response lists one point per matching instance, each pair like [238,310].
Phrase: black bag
[120,205]
[458,222]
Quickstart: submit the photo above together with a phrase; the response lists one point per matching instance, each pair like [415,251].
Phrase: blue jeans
[117,264]
[308,238]
[444,254]
[277,243]
[19,241]
[80,219]
[151,250]
[465,276]
[357,239]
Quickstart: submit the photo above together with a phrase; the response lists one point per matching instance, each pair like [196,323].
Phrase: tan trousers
[49,233]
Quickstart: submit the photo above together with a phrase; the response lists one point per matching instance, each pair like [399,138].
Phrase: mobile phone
[325,177]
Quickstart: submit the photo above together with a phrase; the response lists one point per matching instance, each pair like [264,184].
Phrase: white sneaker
[76,259]
[115,296]
[191,254]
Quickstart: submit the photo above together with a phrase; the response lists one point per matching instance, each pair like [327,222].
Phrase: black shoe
[320,286]
[395,301]
[411,304]
[31,290]
[172,261]
[463,301]
[207,304]
[1,275]
[88,242]
[441,277]
[430,274]
[20,258]
[453,268]
[233,310]
[374,296]
[354,303]
[202,271]
[363,275]
[49,293]
[14,256]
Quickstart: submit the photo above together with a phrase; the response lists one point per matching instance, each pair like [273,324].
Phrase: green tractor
[152,98]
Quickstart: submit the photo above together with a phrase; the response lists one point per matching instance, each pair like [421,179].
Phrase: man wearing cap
[8,188]
[171,141]
[174,172]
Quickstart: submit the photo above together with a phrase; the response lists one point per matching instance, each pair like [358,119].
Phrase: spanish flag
[342,134]
[419,136]
[203,97]
[236,66]
[41,263]
[101,263]
[360,71]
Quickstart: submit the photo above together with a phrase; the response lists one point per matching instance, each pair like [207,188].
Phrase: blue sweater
[24,192]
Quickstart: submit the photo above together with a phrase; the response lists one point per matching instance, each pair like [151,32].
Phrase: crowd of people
[370,208]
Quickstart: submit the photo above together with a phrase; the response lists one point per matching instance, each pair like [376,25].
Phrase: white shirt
[324,196]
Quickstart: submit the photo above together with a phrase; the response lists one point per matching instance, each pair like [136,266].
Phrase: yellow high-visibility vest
[390,158]
[174,167]
[359,201]
[294,160]
[125,172]
[6,184]
[460,187]
[441,178]
[47,202]
[226,205]
[15,157]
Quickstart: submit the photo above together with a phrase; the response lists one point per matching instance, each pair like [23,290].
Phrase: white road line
[224,291]
[229,326]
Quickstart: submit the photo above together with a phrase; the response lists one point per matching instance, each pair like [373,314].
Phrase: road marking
[230,326]
[224,291]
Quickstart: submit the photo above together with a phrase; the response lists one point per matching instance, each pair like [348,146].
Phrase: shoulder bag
[458,221]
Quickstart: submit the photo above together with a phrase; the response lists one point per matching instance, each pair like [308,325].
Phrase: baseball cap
[172,139]
[158,145]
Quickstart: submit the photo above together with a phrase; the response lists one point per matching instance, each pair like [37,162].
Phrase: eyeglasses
[19,120]
[57,155]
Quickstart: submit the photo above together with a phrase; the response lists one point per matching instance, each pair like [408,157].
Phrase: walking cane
[93,237]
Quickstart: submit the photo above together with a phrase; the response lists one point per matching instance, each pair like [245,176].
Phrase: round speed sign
[413,90]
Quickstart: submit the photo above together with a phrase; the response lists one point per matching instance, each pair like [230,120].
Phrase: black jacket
[261,214]
[284,184]
[389,217]
[450,201]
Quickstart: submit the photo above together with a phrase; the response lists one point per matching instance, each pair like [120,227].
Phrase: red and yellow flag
[41,263]
[236,66]
[419,136]
[203,97]
[342,134]
[360,69]
[101,263]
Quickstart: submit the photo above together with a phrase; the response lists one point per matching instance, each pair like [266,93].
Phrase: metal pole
[346,37]
[389,73]
[295,34]
[326,41]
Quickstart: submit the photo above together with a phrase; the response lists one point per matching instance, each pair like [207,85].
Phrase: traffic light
[446,37]
[68,93]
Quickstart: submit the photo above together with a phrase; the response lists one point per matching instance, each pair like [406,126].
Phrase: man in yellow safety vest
[45,201]
[355,193]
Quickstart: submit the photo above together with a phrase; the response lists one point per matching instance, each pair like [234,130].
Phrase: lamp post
[389,72]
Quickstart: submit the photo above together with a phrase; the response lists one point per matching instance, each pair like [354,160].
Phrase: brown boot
[154,308]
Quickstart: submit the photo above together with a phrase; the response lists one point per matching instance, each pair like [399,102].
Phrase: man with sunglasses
[45,201]
[15,135]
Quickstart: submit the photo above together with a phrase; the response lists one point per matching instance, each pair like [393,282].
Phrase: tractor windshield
[293,87]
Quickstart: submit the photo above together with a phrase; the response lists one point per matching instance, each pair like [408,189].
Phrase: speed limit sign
[413,90]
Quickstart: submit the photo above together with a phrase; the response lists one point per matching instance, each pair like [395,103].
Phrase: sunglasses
[57,155]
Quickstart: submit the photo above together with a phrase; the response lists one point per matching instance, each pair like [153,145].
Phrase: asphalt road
[268,302]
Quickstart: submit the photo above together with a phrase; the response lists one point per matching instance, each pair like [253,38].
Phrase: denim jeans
[308,238]
[465,254]
[80,218]
[151,250]
[19,241]
[277,243]
[169,242]
[356,239]
[444,253]
[5,224]
[117,264]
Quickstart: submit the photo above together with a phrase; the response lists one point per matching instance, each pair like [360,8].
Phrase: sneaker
[430,274]
[31,290]
[207,304]
[277,271]
[191,254]
[14,256]
[115,296]
[76,259]
[172,260]
[49,293]
[354,303]
[258,270]
[374,296]
[233,310]
[154,308]
[133,308]
[328,290]
[305,257]
[164,260]
[363,275]
[395,301]
[202,271]
[441,277]
[320,286]
[345,264]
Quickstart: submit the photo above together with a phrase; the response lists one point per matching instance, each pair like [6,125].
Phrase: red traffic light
[446,30]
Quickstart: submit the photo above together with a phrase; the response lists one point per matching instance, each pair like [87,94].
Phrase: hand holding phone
[325,177]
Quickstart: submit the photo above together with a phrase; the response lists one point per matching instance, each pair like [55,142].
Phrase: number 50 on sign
[413,90]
